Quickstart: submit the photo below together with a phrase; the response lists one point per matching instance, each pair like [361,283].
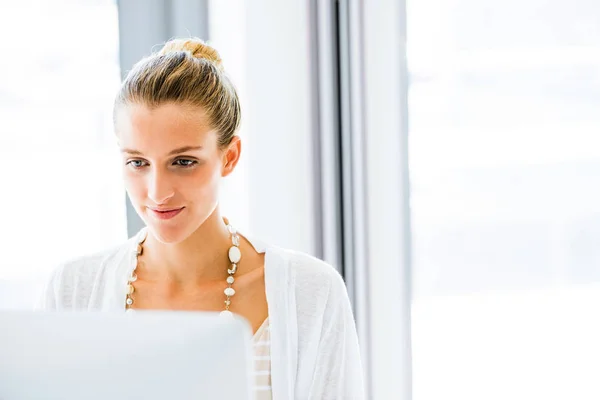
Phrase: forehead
[163,128]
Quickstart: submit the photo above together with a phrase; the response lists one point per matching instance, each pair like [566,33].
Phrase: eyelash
[132,163]
[189,163]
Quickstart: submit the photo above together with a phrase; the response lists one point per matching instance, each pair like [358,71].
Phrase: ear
[231,156]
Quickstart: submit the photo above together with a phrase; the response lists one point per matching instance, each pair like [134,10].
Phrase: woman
[176,117]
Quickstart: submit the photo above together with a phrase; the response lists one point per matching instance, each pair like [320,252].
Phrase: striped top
[262,362]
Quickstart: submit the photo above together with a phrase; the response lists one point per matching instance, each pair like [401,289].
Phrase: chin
[169,234]
[169,231]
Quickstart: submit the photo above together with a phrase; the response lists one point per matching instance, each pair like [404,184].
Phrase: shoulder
[72,283]
[87,268]
[316,284]
[312,271]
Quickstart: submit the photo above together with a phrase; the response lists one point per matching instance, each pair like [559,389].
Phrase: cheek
[205,181]
[134,185]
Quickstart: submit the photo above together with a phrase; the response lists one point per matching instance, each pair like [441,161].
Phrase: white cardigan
[314,345]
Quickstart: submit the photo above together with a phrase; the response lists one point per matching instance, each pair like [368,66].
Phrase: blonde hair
[187,72]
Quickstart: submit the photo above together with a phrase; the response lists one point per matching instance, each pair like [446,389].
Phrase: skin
[171,159]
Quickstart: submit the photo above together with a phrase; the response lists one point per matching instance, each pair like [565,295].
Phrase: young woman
[176,117]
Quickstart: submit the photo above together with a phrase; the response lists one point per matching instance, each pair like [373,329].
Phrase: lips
[165,214]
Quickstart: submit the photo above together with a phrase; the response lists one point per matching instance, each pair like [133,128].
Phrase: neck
[201,257]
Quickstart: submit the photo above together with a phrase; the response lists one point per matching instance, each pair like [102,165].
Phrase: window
[62,194]
[505,166]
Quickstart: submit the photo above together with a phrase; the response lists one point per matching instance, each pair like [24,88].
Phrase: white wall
[269,40]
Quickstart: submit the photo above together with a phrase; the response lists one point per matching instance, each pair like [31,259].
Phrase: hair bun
[196,47]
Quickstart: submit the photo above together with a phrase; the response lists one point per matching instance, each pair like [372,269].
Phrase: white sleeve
[48,298]
[338,371]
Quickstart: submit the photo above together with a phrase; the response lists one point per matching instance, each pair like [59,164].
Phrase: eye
[136,163]
[185,163]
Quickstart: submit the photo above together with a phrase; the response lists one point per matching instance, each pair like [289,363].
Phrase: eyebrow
[172,152]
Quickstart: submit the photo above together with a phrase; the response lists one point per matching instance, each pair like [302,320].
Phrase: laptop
[138,355]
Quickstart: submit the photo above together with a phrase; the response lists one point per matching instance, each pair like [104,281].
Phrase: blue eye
[182,162]
[136,163]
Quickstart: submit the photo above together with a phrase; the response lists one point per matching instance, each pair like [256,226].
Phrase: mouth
[165,213]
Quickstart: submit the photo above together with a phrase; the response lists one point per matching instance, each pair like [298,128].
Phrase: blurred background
[443,155]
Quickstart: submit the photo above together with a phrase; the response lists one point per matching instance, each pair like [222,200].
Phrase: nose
[160,188]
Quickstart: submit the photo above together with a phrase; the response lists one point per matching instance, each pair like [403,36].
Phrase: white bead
[229,291]
[231,229]
[129,301]
[234,254]
[133,277]
[226,314]
[235,240]
[227,302]
[233,269]
[230,279]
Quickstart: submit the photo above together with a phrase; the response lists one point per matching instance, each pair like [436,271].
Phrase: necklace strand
[234,255]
